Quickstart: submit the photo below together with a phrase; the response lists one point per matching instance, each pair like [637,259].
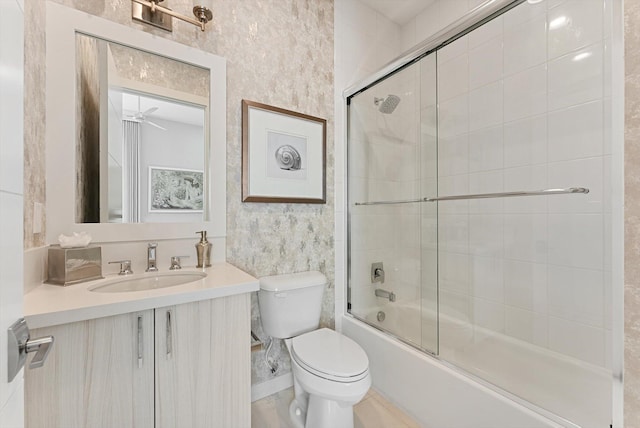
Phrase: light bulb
[202,9]
[204,3]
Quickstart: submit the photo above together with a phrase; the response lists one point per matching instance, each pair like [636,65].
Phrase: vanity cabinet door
[203,364]
[99,374]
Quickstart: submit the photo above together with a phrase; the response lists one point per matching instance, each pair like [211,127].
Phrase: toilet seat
[330,355]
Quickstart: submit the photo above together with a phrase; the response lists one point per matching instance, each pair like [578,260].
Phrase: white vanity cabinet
[203,373]
[99,373]
[186,365]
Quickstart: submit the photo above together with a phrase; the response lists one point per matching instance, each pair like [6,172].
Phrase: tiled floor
[372,412]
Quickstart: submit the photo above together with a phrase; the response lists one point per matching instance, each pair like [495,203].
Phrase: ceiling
[167,109]
[399,11]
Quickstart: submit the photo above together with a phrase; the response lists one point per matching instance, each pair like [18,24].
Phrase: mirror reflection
[142,143]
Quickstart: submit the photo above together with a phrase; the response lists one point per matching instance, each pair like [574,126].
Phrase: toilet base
[297,414]
[323,413]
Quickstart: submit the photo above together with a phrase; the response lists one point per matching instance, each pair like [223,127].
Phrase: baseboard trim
[277,384]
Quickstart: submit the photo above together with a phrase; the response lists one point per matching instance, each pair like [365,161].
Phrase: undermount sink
[147,282]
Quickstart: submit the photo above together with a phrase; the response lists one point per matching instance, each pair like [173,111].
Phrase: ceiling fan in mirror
[142,116]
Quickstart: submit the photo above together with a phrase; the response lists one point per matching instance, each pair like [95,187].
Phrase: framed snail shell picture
[283,155]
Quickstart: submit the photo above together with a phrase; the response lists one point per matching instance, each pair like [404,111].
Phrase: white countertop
[49,305]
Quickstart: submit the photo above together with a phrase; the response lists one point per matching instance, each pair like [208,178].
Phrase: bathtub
[438,394]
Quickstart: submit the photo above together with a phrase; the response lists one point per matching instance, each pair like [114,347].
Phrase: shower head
[387,105]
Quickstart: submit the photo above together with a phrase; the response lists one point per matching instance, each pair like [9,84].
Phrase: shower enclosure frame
[472,20]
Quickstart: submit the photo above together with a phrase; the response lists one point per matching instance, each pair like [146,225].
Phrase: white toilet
[330,371]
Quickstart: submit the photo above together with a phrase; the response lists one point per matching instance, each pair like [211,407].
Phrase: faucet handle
[175,262]
[125,267]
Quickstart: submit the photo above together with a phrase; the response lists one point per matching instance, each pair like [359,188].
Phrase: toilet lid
[331,355]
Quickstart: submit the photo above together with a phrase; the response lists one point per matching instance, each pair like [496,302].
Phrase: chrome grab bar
[569,190]
[386,294]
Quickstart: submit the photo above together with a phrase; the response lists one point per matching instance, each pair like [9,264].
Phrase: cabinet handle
[169,335]
[140,342]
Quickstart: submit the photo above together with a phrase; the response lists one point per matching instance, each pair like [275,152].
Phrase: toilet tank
[290,304]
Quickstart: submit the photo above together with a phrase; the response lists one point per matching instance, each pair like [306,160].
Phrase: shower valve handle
[377,272]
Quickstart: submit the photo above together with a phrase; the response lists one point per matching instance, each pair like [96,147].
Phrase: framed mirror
[136,136]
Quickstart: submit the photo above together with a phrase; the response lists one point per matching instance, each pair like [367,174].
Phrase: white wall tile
[525,142]
[486,32]
[485,106]
[525,237]
[576,78]
[574,24]
[526,178]
[452,50]
[485,235]
[577,173]
[576,240]
[526,325]
[526,285]
[518,16]
[486,149]
[451,186]
[359,158]
[525,93]
[453,117]
[485,63]
[453,233]
[486,278]
[488,315]
[576,132]
[453,272]
[486,182]
[453,155]
[577,295]
[453,77]
[428,82]
[525,45]
[456,306]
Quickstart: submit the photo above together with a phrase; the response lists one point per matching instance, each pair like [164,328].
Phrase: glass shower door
[524,282]
[386,247]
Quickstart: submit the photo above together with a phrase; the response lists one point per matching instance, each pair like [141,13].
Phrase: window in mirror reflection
[141,152]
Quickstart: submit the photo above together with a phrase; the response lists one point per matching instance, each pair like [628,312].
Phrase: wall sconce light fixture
[150,12]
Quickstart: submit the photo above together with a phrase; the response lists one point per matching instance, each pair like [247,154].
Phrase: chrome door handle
[20,344]
[169,335]
[41,346]
[140,342]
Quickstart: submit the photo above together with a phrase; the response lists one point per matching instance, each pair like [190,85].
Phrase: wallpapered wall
[632,216]
[279,52]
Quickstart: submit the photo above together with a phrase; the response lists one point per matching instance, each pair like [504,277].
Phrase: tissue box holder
[74,265]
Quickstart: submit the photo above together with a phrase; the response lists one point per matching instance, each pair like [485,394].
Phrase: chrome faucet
[386,294]
[175,262]
[125,267]
[151,257]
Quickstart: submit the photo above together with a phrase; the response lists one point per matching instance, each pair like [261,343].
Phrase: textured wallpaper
[632,216]
[279,52]
[157,70]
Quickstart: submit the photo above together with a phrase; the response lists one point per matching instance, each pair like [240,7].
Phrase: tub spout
[386,294]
